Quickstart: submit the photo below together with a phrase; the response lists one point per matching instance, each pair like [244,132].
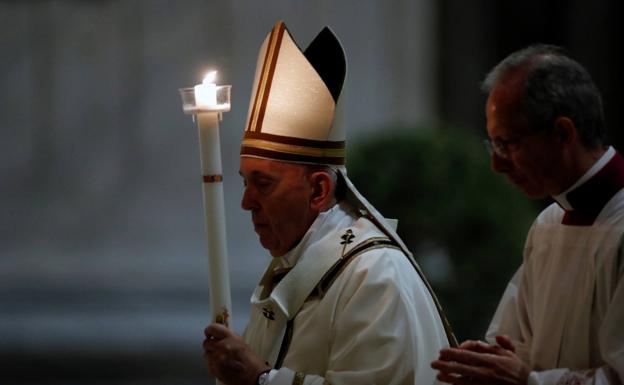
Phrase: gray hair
[312,168]
[554,85]
[336,182]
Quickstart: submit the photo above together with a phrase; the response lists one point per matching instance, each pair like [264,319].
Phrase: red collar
[589,199]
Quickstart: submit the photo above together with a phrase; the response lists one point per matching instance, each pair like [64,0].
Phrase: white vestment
[374,323]
[564,307]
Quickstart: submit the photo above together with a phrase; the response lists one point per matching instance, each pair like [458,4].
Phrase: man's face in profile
[278,194]
[529,155]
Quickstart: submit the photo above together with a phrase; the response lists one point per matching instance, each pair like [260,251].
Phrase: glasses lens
[489,147]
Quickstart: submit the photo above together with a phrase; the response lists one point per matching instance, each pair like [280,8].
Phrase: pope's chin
[265,239]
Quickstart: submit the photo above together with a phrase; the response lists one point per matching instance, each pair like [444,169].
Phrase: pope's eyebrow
[257,174]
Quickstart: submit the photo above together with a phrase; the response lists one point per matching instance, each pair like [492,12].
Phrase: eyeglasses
[504,147]
[500,147]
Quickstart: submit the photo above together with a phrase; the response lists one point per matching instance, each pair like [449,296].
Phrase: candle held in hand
[206,102]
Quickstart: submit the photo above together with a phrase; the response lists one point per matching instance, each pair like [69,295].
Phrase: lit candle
[201,101]
[206,93]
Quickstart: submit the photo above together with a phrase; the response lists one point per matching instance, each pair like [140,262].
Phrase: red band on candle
[213,178]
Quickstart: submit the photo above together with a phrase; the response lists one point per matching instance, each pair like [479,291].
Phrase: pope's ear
[323,190]
[565,130]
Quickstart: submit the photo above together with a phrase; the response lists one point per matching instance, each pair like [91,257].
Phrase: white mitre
[292,108]
[294,99]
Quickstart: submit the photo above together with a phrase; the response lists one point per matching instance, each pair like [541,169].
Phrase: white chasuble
[370,320]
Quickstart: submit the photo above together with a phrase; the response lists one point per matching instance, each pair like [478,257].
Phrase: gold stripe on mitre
[294,149]
[266,77]
[291,149]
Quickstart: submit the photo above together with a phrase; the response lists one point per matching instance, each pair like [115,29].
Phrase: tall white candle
[202,101]
[214,216]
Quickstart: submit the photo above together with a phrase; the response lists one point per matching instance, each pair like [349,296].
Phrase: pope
[342,300]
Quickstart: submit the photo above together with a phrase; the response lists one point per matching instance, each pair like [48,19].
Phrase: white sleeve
[508,320]
[611,337]
[511,318]
[505,320]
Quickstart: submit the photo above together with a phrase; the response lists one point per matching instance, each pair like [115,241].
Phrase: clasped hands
[229,358]
[477,362]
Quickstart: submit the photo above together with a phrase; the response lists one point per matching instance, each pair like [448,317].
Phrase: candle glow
[206,93]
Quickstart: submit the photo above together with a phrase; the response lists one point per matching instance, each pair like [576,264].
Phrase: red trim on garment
[589,199]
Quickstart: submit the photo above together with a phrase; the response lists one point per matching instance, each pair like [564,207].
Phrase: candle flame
[210,77]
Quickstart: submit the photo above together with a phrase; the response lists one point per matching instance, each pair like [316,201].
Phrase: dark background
[102,254]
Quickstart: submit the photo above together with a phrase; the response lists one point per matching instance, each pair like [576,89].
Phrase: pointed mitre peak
[294,99]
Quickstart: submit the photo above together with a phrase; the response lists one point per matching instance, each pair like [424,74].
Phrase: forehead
[256,166]
[503,110]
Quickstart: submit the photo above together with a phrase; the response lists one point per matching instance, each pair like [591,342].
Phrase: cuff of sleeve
[283,376]
[533,378]
[545,376]
[271,375]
